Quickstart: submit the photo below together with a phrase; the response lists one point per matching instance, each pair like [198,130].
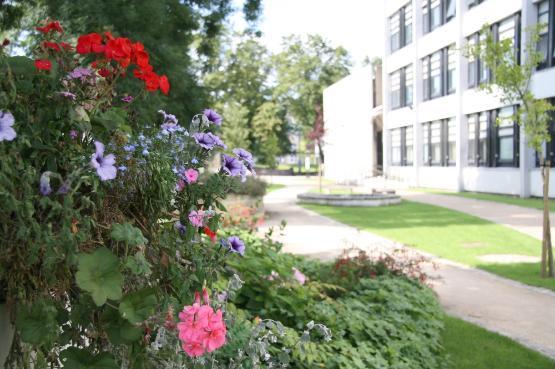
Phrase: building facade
[353,127]
[440,130]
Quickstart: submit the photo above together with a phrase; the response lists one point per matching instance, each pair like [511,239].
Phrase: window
[439,144]
[493,138]
[436,13]
[472,3]
[549,146]
[400,27]
[543,42]
[395,83]
[507,29]
[402,144]
[451,66]
[438,73]
[401,85]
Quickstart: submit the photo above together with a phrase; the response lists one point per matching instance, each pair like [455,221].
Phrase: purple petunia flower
[104,165]
[127,99]
[180,227]
[246,157]
[205,140]
[69,95]
[168,118]
[6,122]
[80,72]
[219,142]
[64,188]
[212,116]
[44,184]
[232,166]
[73,134]
[236,245]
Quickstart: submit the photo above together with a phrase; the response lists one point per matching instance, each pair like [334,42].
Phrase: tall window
[401,86]
[438,73]
[402,143]
[437,12]
[507,29]
[400,27]
[543,42]
[550,146]
[439,146]
[493,138]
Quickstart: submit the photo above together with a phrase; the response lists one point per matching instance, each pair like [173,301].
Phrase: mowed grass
[531,202]
[472,347]
[273,187]
[446,233]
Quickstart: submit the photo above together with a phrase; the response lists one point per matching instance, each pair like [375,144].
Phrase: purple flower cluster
[171,124]
[234,244]
[208,140]
[238,166]
[7,133]
[212,116]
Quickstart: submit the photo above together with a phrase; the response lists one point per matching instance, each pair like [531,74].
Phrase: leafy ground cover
[380,314]
[472,347]
[530,202]
[448,234]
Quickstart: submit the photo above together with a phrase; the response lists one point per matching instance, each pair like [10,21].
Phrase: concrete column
[417,31]
[462,79]
[526,158]
[385,95]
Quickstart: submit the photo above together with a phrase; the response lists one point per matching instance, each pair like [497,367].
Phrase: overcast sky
[356,25]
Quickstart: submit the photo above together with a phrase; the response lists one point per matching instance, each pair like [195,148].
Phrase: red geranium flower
[91,42]
[120,49]
[164,84]
[51,45]
[210,233]
[104,72]
[43,64]
[52,26]
[152,81]
[65,45]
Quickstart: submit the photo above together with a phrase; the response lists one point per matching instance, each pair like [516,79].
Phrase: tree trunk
[6,333]
[547,249]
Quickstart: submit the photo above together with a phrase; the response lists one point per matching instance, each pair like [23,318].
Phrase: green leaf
[98,273]
[127,233]
[74,358]
[112,119]
[138,265]
[119,330]
[37,323]
[137,306]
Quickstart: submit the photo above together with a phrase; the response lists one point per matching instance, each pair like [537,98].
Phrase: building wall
[348,142]
[524,180]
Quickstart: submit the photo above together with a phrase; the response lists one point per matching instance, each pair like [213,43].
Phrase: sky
[357,25]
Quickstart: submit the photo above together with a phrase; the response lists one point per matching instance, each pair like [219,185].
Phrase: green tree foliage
[511,83]
[235,132]
[304,68]
[266,125]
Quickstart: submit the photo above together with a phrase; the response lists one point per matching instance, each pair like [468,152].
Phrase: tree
[235,132]
[511,83]
[304,68]
[266,125]
[318,131]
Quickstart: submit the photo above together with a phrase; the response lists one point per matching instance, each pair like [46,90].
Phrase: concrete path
[525,220]
[523,313]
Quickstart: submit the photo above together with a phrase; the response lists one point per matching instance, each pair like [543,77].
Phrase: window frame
[550,52]
[405,38]
[444,159]
[427,14]
[404,160]
[404,101]
[445,88]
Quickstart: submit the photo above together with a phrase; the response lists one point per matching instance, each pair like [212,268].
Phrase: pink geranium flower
[201,329]
[191,175]
[196,218]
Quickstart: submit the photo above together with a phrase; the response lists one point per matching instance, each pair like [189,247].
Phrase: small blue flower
[123,168]
[129,148]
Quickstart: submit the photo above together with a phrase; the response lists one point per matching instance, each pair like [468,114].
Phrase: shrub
[253,186]
[379,317]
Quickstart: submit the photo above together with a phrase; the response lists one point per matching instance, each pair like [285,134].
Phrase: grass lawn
[472,347]
[274,186]
[446,233]
[532,202]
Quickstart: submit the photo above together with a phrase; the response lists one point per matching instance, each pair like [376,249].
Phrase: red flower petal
[43,64]
[164,84]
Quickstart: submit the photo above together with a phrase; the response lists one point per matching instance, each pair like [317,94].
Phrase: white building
[440,131]
[353,124]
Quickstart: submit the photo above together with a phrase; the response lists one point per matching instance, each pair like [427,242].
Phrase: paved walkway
[525,220]
[523,313]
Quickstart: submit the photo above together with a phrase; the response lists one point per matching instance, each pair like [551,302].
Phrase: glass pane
[425,16]
[435,14]
[426,141]
[425,78]
[408,144]
[435,140]
[408,85]
[452,141]
[394,29]
[507,31]
[449,9]
[396,146]
[506,147]
[395,81]
[483,72]
[483,138]
[408,24]
[451,66]
[435,73]
[472,138]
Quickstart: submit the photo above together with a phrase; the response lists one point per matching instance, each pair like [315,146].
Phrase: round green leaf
[98,273]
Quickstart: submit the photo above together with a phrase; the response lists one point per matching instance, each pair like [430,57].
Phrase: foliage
[305,67]
[266,125]
[378,321]
[235,131]
[106,228]
[511,83]
[253,186]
